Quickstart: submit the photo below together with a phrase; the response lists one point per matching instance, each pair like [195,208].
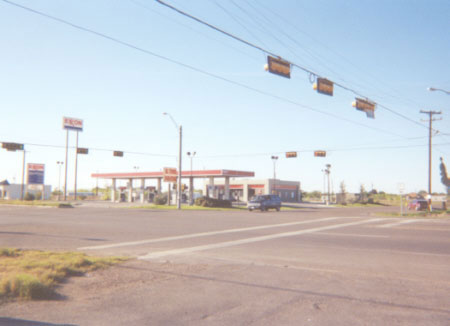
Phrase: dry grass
[34,274]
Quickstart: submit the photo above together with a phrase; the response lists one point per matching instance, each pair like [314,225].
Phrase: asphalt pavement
[309,266]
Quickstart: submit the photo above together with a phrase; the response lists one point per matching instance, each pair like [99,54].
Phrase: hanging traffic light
[320,153]
[291,154]
[12,147]
[81,150]
[278,67]
[324,86]
[365,106]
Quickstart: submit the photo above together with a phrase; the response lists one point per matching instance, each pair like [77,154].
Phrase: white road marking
[397,223]
[204,234]
[250,240]
[353,235]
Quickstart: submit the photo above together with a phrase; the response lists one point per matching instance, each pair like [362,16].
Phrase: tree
[362,194]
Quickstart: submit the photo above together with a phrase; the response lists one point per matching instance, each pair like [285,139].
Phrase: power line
[327,150]
[336,53]
[198,70]
[137,3]
[97,149]
[355,92]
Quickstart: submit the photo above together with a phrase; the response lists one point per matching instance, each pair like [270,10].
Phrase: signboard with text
[279,67]
[72,124]
[12,147]
[170,175]
[35,174]
[365,106]
[324,86]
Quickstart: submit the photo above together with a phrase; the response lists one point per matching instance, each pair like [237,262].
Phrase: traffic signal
[12,147]
[278,66]
[118,153]
[320,153]
[291,154]
[365,106]
[81,150]
[324,86]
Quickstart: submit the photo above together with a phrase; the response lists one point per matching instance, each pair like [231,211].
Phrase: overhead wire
[325,149]
[147,8]
[198,70]
[351,90]
[238,22]
[96,149]
[374,78]
[354,148]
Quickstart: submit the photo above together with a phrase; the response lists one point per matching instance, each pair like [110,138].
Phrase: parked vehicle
[264,202]
[418,204]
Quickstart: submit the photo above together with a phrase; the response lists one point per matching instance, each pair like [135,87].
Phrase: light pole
[135,168]
[327,173]
[180,128]
[59,163]
[274,159]
[433,89]
[191,180]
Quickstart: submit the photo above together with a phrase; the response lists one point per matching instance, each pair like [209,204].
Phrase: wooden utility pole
[430,134]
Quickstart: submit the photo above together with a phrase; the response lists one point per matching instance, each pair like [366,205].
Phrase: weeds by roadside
[34,274]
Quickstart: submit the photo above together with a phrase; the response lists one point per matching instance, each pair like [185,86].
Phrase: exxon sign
[72,124]
[35,174]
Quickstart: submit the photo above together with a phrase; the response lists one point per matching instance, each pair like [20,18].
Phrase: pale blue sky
[390,51]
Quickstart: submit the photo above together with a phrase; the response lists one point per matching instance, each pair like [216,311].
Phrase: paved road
[311,266]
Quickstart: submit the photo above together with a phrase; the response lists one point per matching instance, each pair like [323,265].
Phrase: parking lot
[307,266]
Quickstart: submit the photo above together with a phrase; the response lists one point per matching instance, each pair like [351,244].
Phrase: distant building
[244,189]
[10,191]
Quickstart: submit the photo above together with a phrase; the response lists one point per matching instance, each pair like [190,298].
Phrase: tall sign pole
[179,169]
[430,134]
[23,176]
[67,156]
[76,167]
[71,124]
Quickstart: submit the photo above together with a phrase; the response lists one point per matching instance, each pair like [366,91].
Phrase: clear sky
[234,114]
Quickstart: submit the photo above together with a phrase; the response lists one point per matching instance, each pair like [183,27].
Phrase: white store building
[13,191]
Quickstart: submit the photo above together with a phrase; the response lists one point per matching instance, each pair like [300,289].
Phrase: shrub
[38,195]
[212,202]
[29,196]
[160,200]
[26,287]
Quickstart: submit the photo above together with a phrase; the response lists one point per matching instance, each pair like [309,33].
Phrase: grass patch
[421,214]
[360,205]
[34,274]
[29,203]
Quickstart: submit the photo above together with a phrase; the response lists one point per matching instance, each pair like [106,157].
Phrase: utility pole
[430,134]
[274,159]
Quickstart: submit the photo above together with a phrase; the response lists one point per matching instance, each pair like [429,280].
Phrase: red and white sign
[73,124]
[170,175]
[36,167]
[35,173]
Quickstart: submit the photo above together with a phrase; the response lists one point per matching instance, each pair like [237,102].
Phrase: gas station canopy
[184,174]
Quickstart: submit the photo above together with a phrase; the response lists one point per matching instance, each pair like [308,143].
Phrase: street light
[191,181]
[274,159]
[180,128]
[327,173]
[59,163]
[433,89]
